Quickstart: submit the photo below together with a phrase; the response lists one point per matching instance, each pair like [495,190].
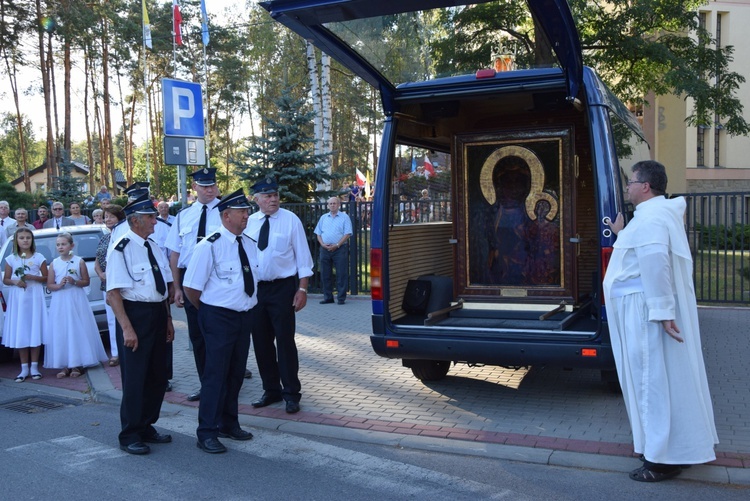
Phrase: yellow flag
[146,27]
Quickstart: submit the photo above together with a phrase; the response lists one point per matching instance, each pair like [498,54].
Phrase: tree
[636,47]
[287,153]
[66,187]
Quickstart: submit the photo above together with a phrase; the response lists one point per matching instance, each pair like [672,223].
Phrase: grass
[718,278]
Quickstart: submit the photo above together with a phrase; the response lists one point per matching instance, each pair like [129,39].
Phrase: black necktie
[202,224]
[263,237]
[247,273]
[161,287]
[57,223]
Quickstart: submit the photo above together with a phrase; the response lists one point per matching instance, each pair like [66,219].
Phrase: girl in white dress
[73,341]
[26,317]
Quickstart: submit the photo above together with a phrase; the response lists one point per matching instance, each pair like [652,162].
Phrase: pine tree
[287,154]
[66,187]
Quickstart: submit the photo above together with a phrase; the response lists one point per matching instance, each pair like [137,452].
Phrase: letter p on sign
[183,108]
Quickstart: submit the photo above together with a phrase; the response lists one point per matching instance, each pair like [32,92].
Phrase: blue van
[489,241]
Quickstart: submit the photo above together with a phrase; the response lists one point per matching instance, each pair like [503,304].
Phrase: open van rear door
[354,32]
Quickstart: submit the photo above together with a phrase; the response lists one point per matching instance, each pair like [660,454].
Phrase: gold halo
[536,192]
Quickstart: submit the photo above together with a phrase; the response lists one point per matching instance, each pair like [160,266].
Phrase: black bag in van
[416,297]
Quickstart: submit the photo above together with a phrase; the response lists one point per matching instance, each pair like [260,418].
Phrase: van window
[421,183]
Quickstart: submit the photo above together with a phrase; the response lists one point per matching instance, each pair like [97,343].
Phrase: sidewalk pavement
[541,415]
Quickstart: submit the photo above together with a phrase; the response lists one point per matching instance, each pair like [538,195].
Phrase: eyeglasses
[60,208]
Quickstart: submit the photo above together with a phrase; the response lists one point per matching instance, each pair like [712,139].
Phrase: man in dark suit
[58,219]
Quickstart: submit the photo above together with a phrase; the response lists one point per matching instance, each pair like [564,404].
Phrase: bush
[720,237]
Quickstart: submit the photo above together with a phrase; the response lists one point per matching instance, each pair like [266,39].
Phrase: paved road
[538,414]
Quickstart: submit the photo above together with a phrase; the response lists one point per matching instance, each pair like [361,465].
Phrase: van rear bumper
[505,352]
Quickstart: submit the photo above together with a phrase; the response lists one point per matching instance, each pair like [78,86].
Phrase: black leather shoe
[248,374]
[158,438]
[292,407]
[341,301]
[266,399]
[327,301]
[211,445]
[137,448]
[236,434]
[169,386]
[194,397]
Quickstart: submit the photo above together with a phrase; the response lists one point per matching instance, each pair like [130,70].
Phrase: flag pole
[205,37]
[146,30]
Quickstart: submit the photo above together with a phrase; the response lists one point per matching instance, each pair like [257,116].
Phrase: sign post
[184,132]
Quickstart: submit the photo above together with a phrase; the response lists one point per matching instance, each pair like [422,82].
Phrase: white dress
[73,338]
[26,319]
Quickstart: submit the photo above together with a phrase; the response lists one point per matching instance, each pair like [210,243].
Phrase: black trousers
[227,339]
[273,338]
[194,332]
[144,375]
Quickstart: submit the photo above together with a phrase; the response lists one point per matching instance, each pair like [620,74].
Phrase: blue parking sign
[183,108]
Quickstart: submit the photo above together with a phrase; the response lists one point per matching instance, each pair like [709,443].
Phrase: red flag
[428,167]
[177,22]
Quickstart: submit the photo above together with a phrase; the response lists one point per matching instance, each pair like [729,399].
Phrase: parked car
[86,239]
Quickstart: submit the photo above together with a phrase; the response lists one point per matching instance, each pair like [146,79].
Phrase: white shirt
[161,231]
[183,234]
[288,252]
[130,271]
[118,231]
[215,269]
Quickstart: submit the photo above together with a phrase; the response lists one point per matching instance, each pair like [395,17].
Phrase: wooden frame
[513,214]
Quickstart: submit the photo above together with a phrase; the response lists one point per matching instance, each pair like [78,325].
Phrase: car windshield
[85,245]
[423,45]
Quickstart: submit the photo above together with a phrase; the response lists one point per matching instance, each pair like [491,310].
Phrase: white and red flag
[361,179]
[428,167]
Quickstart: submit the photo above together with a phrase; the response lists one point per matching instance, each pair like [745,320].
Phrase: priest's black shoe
[292,407]
[212,446]
[266,399]
[158,438]
[193,397]
[327,301]
[248,374]
[137,448]
[236,434]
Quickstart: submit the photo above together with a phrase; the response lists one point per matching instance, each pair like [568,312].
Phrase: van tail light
[376,274]
[606,256]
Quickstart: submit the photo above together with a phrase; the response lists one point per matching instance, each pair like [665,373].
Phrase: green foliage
[722,237]
[287,153]
[17,199]
[66,187]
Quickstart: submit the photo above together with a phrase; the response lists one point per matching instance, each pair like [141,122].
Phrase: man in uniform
[191,226]
[134,192]
[219,282]
[139,283]
[333,231]
[282,266]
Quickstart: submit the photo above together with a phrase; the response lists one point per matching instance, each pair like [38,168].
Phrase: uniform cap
[265,185]
[137,189]
[204,177]
[236,200]
[141,205]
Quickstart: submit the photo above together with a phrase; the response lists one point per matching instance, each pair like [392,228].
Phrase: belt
[626,287]
[275,280]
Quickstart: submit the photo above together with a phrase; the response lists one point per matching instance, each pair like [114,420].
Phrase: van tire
[429,370]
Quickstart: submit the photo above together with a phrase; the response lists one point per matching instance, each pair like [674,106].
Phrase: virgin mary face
[512,181]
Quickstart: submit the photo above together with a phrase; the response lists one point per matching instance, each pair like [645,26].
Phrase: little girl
[26,316]
[73,341]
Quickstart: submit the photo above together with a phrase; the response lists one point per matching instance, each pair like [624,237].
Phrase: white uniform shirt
[216,270]
[183,234]
[161,231]
[288,252]
[118,231]
[130,271]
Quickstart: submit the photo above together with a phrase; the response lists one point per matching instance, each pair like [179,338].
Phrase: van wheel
[429,370]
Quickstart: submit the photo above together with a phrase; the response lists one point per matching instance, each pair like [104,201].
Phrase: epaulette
[122,244]
[164,221]
[213,238]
